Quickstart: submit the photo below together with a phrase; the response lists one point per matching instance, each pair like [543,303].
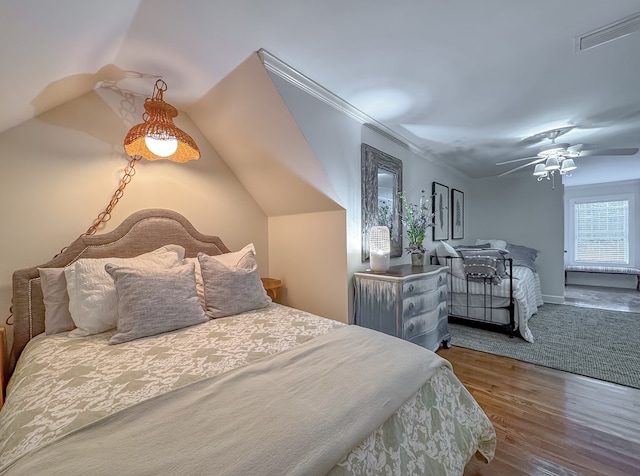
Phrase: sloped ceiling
[467,82]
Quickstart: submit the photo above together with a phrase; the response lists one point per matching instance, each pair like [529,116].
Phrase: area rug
[597,343]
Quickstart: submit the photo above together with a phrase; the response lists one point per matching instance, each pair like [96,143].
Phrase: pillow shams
[56,301]
[92,293]
[154,300]
[230,290]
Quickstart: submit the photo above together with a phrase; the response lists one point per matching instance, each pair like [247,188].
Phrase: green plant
[416,218]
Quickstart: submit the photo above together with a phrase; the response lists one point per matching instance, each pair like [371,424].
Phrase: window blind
[602,232]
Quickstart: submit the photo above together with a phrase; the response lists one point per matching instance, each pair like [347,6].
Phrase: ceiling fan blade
[520,167]
[604,152]
[517,160]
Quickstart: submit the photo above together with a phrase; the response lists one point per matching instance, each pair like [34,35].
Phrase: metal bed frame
[487,318]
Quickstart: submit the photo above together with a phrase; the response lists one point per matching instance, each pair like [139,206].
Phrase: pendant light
[157,137]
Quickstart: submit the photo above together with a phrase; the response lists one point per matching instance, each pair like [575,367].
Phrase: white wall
[336,139]
[521,210]
[607,190]
[250,125]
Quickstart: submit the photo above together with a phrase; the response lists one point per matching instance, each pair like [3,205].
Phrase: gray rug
[594,342]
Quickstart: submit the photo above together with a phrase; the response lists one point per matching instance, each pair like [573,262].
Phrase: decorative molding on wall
[295,77]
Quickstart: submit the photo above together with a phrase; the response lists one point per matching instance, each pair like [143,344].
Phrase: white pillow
[444,251]
[232,259]
[93,302]
[495,244]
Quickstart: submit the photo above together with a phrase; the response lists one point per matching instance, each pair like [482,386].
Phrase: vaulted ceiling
[470,83]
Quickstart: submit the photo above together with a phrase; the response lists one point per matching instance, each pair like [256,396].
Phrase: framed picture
[440,195]
[457,214]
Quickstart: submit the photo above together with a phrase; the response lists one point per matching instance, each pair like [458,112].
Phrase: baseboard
[553,299]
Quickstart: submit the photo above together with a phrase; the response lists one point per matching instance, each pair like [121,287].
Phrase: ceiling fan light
[552,163]
[567,166]
[540,171]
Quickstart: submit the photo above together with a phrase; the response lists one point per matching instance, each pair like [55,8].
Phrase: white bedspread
[62,384]
[526,293]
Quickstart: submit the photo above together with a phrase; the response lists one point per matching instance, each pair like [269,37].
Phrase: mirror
[381,183]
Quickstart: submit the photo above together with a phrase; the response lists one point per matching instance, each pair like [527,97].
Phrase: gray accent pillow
[230,290]
[154,300]
[483,257]
[523,255]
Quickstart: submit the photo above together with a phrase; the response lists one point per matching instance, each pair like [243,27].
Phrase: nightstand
[407,302]
[272,286]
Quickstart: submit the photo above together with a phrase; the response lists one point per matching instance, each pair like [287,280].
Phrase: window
[601,231]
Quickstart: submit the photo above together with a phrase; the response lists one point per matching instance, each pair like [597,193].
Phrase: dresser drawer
[419,286]
[425,322]
[421,303]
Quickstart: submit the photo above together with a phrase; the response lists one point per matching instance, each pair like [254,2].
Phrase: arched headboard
[141,232]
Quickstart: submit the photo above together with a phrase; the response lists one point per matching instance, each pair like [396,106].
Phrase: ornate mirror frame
[381,184]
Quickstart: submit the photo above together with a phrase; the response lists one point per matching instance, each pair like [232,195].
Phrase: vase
[417,259]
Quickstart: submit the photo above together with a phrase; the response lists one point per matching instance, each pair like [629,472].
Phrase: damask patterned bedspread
[62,383]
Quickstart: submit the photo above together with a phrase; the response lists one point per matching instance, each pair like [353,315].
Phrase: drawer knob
[411,305]
[411,327]
[410,287]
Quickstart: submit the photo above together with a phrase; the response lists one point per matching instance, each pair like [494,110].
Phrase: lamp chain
[105,215]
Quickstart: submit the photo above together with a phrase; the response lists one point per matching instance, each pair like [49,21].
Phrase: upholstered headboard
[143,231]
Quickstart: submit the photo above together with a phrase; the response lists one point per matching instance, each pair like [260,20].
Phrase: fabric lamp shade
[158,137]
[379,248]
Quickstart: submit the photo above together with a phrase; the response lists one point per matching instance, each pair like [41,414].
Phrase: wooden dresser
[407,302]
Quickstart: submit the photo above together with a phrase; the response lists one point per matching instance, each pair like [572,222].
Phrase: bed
[492,283]
[254,387]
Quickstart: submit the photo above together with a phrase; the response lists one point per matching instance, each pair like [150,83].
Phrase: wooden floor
[550,422]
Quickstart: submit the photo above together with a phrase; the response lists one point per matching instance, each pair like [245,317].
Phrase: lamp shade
[540,170]
[568,165]
[158,137]
[552,163]
[379,248]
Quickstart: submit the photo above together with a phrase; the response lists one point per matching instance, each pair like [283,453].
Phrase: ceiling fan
[560,157]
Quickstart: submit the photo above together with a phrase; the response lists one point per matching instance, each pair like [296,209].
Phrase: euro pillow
[57,317]
[230,290]
[154,300]
[92,292]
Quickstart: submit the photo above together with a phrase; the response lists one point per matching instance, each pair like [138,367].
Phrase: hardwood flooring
[550,422]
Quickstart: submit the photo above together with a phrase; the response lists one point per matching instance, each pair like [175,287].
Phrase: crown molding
[295,77]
